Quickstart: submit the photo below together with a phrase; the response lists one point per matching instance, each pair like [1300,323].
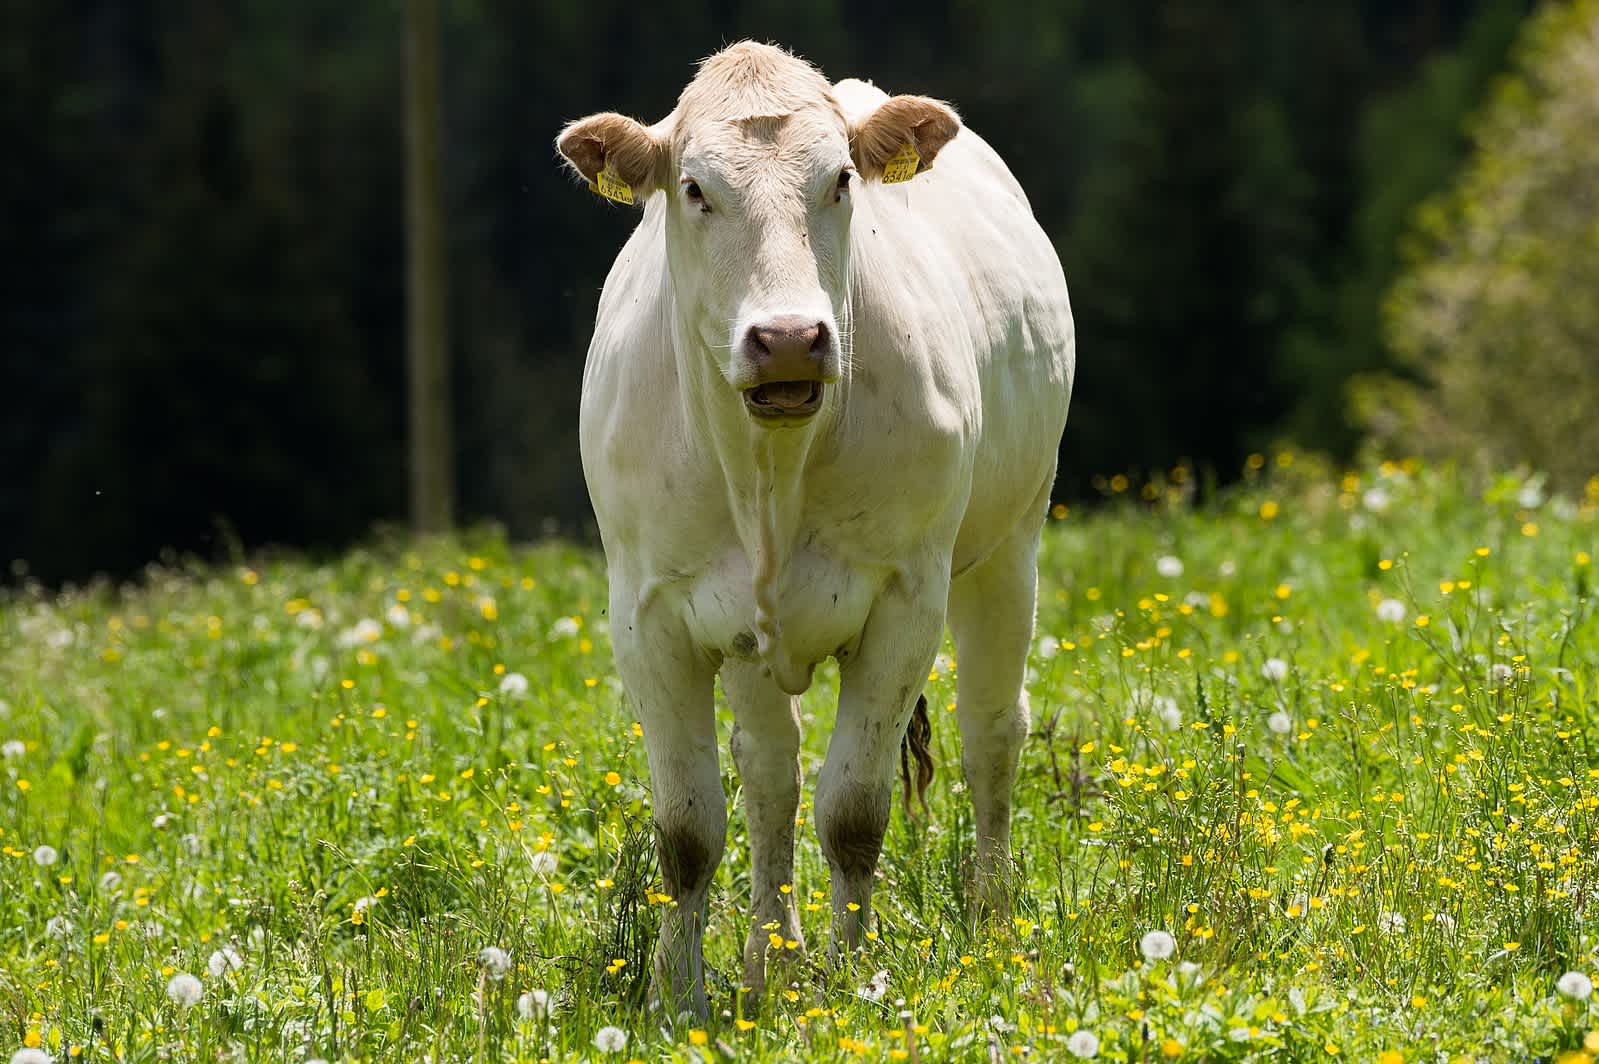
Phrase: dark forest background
[202,291]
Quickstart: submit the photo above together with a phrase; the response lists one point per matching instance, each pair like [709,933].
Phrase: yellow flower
[1390,1056]
[612,779]
[697,1037]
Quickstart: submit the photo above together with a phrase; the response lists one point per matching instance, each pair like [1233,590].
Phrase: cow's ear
[902,137]
[620,158]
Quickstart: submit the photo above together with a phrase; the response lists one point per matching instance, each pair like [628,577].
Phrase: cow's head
[758,165]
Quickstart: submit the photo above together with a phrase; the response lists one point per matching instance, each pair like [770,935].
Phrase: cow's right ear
[620,158]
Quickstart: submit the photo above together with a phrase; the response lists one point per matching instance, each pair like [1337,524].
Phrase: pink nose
[787,348]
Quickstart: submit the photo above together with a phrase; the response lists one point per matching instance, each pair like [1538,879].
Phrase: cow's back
[959,246]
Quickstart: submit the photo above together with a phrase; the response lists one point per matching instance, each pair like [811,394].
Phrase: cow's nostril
[755,346]
[819,345]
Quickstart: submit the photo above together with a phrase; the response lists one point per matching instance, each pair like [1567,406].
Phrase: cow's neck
[764,471]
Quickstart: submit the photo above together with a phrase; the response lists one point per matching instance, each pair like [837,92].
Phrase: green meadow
[1313,775]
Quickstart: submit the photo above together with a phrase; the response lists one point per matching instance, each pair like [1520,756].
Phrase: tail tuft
[917,745]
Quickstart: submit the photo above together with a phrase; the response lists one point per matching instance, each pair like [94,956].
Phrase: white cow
[820,415]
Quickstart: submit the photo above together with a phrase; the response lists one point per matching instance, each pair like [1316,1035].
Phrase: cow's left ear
[877,141]
[618,156]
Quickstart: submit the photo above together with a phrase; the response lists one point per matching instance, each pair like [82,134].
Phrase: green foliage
[1334,734]
[1494,318]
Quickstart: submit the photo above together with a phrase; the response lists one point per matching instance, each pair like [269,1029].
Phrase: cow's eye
[843,185]
[691,189]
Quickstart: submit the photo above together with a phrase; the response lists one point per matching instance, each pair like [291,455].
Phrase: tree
[1495,317]
[431,452]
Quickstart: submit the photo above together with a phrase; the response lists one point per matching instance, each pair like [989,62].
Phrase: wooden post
[428,399]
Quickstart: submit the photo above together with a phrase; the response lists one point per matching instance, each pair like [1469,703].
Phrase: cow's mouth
[784,400]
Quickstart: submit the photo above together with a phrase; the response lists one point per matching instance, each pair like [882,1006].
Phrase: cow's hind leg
[991,617]
[766,738]
[671,685]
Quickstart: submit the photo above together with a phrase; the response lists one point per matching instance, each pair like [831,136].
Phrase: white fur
[915,493]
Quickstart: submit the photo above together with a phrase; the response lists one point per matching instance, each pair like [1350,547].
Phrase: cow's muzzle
[789,355]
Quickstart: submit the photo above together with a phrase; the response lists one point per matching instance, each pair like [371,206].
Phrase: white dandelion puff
[398,616]
[1575,985]
[1274,669]
[1083,1044]
[185,989]
[513,685]
[1376,500]
[1391,611]
[1048,647]
[1280,723]
[1390,923]
[223,961]
[13,749]
[565,628]
[364,631]
[1500,674]
[543,863]
[533,1005]
[876,986]
[1170,566]
[1157,945]
[496,962]
[610,1039]
[58,927]
[30,1056]
[45,856]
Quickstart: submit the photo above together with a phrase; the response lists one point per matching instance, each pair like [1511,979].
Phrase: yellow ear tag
[902,166]
[612,187]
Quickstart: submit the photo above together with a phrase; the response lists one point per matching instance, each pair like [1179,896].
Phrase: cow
[820,415]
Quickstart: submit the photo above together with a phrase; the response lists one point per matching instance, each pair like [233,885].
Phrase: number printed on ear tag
[612,187]
[902,166]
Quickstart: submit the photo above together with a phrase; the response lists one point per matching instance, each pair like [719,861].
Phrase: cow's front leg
[879,685]
[671,684]
[766,738]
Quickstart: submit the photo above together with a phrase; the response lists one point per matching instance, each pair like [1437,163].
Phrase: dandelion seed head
[1157,945]
[610,1039]
[533,1005]
[13,749]
[223,961]
[496,962]
[30,1056]
[45,856]
[1170,566]
[1280,723]
[876,986]
[1083,1044]
[1274,669]
[185,989]
[1575,985]
[1391,611]
[513,685]
[58,927]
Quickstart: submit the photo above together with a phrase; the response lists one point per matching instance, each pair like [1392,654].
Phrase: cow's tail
[917,746]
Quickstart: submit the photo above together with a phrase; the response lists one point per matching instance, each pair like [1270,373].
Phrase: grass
[324,790]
